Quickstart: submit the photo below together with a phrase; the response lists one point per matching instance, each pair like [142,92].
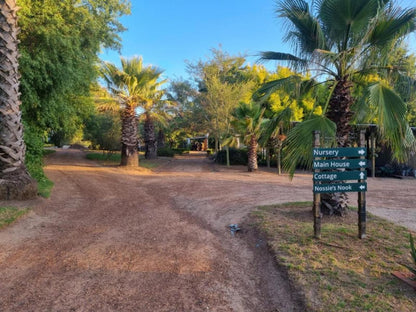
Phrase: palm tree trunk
[149,138]
[252,154]
[15,181]
[160,139]
[339,112]
[129,156]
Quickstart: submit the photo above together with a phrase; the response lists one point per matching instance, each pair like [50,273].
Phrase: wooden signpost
[335,171]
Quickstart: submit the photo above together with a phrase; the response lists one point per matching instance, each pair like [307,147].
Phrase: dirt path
[116,240]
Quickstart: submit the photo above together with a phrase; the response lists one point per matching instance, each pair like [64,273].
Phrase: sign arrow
[362,175]
[362,163]
[339,187]
[338,152]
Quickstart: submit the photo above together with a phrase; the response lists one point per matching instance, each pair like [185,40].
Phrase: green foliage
[104,156]
[59,45]
[298,144]
[166,152]
[103,131]
[34,159]
[413,254]
[187,114]
[237,157]
[223,82]
[347,44]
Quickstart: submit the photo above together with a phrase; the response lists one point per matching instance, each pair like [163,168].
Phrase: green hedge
[165,152]
[237,157]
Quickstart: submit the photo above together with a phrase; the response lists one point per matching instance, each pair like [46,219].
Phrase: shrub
[413,254]
[166,152]
[237,157]
[181,151]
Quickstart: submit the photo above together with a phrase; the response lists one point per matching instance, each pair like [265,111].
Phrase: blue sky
[168,32]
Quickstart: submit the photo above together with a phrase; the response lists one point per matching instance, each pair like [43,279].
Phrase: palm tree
[155,112]
[131,86]
[340,42]
[15,181]
[248,121]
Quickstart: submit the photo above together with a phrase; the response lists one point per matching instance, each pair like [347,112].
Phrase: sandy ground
[109,239]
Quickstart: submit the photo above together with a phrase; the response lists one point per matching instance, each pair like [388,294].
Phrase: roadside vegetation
[114,158]
[339,272]
[10,214]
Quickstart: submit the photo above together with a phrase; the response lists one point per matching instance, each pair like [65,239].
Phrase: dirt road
[115,240]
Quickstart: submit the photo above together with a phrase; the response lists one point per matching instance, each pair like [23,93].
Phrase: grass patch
[339,272]
[47,152]
[114,158]
[45,187]
[10,214]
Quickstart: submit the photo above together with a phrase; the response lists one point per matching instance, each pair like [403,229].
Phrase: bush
[103,130]
[34,159]
[166,152]
[237,157]
[413,254]
[181,151]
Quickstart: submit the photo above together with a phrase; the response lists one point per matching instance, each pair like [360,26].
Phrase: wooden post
[317,196]
[361,197]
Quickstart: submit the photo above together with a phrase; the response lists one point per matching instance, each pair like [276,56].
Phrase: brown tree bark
[339,112]
[149,138]
[15,181]
[129,155]
[252,154]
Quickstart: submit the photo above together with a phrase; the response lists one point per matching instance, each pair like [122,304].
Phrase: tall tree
[134,85]
[342,41]
[223,82]
[15,181]
[59,44]
[248,121]
[188,118]
[155,112]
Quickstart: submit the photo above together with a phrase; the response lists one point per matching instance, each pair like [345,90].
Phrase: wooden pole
[317,196]
[361,197]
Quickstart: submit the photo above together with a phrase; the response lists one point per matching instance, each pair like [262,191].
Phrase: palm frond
[344,21]
[288,84]
[392,119]
[298,144]
[304,28]
[279,56]
[397,24]
[273,125]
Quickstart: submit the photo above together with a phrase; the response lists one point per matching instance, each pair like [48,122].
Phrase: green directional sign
[339,175]
[341,187]
[339,152]
[339,164]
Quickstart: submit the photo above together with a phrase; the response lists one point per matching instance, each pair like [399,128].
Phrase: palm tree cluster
[135,86]
[341,44]
[342,72]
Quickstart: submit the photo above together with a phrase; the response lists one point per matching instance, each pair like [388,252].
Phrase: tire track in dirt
[112,240]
